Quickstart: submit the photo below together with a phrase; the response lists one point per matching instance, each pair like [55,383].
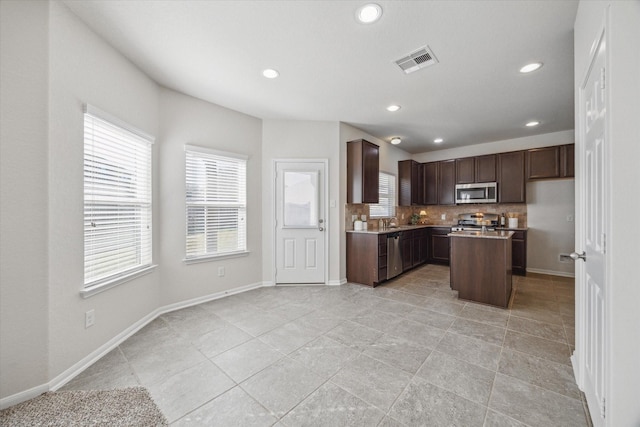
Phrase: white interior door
[592,325]
[300,222]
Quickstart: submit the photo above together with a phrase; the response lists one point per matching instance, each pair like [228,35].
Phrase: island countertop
[499,234]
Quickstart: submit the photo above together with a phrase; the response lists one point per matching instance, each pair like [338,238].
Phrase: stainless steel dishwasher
[394,258]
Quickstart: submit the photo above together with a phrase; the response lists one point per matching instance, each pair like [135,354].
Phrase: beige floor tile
[407,353]
[534,405]
[546,349]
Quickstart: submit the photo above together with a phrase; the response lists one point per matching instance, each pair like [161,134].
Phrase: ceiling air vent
[421,58]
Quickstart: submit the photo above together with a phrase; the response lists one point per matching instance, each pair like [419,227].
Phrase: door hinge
[603,409]
[604,243]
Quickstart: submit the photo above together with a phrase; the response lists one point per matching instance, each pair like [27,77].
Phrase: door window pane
[300,199]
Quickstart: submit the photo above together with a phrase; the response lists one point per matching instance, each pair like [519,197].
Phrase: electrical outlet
[353,218]
[443,216]
[220,271]
[89,318]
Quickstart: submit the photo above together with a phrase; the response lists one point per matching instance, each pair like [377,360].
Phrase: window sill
[207,258]
[96,289]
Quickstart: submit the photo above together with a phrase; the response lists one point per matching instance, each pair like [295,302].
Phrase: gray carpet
[122,407]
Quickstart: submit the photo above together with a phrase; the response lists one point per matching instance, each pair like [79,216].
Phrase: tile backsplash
[434,213]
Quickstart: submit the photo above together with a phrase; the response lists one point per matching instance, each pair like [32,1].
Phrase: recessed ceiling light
[396,140]
[531,67]
[393,108]
[270,73]
[438,140]
[532,123]
[369,13]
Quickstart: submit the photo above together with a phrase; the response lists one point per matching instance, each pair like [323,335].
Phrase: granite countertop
[399,228]
[501,234]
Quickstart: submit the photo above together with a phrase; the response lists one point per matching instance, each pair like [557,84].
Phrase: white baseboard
[14,399]
[550,272]
[90,359]
[337,282]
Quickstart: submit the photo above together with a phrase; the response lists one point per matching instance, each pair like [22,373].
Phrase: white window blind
[216,202]
[386,205]
[117,199]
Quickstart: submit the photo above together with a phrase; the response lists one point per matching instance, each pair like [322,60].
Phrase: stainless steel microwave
[484,192]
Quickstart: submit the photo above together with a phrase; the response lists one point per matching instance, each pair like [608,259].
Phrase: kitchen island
[481,268]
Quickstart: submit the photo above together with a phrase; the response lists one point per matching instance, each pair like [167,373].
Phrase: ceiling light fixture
[270,73]
[369,13]
[393,108]
[396,140]
[532,123]
[438,140]
[531,67]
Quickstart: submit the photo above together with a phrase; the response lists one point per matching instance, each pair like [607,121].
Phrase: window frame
[110,144]
[211,155]
[389,208]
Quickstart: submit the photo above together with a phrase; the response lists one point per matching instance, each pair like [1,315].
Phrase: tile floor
[408,353]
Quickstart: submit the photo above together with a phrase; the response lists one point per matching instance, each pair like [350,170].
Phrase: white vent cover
[421,58]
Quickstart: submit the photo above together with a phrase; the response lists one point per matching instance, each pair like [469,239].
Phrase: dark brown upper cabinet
[447,182]
[410,182]
[430,183]
[550,162]
[486,168]
[476,169]
[363,167]
[511,178]
[466,170]
[543,163]
[567,157]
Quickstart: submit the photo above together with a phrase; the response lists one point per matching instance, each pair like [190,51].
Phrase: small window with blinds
[386,206]
[117,200]
[216,203]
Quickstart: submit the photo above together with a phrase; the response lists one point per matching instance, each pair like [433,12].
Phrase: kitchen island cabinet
[481,266]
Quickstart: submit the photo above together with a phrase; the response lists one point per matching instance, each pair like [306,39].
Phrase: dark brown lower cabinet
[366,258]
[367,255]
[438,245]
[519,252]
[414,248]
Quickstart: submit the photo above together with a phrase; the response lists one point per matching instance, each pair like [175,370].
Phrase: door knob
[576,256]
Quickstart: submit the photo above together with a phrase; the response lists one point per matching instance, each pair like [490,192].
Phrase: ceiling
[334,68]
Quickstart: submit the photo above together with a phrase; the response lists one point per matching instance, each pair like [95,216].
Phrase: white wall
[287,139]
[534,141]
[85,69]
[24,348]
[550,234]
[623,293]
[187,120]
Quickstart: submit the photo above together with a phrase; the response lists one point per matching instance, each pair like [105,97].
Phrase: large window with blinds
[117,199]
[386,206]
[216,203]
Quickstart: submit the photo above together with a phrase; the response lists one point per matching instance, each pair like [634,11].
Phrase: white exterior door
[300,222]
[592,280]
